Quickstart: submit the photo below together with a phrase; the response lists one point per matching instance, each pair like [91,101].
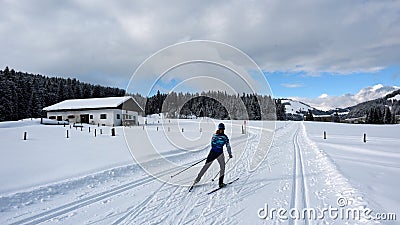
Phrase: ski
[223,186]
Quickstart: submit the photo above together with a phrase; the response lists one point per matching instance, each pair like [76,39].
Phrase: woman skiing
[218,141]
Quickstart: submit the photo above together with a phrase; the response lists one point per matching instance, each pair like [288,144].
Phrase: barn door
[84,118]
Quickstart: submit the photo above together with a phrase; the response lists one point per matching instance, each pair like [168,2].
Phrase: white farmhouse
[110,111]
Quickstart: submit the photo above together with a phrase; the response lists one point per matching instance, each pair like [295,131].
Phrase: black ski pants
[213,155]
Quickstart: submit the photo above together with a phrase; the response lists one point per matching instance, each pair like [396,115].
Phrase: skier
[218,141]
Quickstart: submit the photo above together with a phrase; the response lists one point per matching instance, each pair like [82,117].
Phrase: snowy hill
[293,106]
[381,96]
[390,99]
[295,110]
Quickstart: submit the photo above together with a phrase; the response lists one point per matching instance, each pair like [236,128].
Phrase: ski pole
[218,171]
[188,167]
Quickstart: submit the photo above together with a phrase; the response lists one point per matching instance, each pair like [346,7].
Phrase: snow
[397,97]
[19,123]
[293,106]
[371,166]
[48,156]
[50,179]
[89,103]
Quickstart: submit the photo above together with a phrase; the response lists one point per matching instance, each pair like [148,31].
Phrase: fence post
[25,135]
[95,132]
[101,131]
[89,129]
[324,134]
[157,128]
[81,128]
[67,134]
[113,132]
[182,130]
[365,137]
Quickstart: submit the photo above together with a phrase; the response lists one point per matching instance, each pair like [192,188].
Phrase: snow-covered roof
[88,103]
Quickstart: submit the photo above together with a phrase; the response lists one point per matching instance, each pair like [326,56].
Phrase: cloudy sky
[307,49]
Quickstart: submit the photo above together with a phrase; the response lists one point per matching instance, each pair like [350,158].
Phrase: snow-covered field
[83,179]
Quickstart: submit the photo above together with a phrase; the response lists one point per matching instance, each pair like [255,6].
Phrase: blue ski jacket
[218,141]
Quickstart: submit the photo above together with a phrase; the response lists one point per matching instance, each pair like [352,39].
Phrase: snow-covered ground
[372,167]
[83,179]
[293,106]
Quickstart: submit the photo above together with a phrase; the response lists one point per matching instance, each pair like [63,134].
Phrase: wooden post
[113,132]
[70,126]
[81,128]
[101,131]
[324,134]
[98,124]
[242,130]
[365,137]
[95,133]
[64,124]
[25,135]
[182,130]
[67,134]
[157,128]
[89,129]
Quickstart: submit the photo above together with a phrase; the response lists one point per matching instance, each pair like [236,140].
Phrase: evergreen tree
[387,118]
[309,116]
[336,118]
[280,110]
[23,95]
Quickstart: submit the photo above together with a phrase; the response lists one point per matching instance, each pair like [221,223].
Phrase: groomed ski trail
[299,199]
[295,174]
[182,207]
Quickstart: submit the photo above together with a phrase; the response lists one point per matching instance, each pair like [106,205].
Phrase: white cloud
[326,102]
[292,85]
[323,96]
[96,40]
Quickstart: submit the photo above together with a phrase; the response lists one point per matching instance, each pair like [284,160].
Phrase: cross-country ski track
[294,174]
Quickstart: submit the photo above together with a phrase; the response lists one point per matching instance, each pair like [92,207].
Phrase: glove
[230,156]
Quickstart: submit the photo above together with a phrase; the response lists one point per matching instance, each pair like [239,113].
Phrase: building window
[91,117]
[52,117]
[59,118]
[103,116]
[118,116]
[71,116]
